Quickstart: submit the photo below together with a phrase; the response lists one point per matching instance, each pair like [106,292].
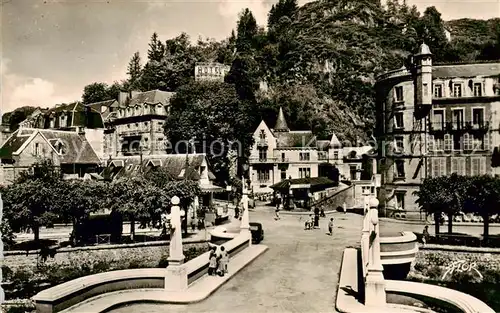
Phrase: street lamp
[245,220]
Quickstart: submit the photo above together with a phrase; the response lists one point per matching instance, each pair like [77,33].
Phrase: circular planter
[221,234]
[397,252]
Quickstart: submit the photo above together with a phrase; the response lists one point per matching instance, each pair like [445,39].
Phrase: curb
[305,213]
[401,221]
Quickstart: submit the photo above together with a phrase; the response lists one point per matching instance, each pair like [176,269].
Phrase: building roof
[151,97]
[175,164]
[295,139]
[76,149]
[466,70]
[424,50]
[14,142]
[281,125]
[335,142]
[323,144]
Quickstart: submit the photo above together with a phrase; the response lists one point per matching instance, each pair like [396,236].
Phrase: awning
[304,183]
[211,189]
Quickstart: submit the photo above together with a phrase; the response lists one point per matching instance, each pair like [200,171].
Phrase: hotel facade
[434,120]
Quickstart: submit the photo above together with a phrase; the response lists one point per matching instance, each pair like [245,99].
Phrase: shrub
[163,263]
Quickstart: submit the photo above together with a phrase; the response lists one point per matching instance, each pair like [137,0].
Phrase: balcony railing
[282,160]
[263,160]
[458,126]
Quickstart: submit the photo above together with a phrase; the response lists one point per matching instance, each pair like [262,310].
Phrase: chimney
[122,97]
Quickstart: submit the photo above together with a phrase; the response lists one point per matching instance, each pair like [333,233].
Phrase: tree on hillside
[17,116]
[134,70]
[246,31]
[431,31]
[153,74]
[179,61]
[283,8]
[212,114]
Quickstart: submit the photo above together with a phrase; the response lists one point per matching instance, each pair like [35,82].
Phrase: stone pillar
[374,284]
[2,294]
[245,218]
[365,235]
[176,278]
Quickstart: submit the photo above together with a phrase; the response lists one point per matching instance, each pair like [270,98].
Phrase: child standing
[212,266]
[224,260]
[330,227]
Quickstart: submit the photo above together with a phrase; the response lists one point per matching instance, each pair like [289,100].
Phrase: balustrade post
[245,217]
[176,278]
[374,283]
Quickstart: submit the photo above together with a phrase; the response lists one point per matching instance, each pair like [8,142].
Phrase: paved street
[299,272]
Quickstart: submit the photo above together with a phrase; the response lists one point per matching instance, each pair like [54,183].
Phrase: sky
[51,49]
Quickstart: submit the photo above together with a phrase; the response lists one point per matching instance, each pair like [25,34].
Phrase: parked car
[257,232]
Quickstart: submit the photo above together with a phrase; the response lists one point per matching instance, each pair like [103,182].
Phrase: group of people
[311,223]
[219,259]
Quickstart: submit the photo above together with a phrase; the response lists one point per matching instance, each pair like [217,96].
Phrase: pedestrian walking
[212,266]
[309,224]
[425,235]
[344,207]
[330,227]
[277,211]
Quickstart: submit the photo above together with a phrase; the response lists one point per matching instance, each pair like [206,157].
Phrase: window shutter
[454,165]
[482,166]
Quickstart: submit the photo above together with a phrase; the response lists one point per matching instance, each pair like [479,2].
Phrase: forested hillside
[318,61]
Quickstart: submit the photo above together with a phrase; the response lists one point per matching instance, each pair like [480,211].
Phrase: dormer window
[457,90]
[438,91]
[478,89]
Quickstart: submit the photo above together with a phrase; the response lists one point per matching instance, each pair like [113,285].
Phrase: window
[430,143]
[353,169]
[36,150]
[263,175]
[335,155]
[439,143]
[400,168]
[304,156]
[426,89]
[399,93]
[399,144]
[322,155]
[458,166]
[398,120]
[480,142]
[304,172]
[283,174]
[457,142]
[200,71]
[458,118]
[262,154]
[438,167]
[447,142]
[438,91]
[477,117]
[468,142]
[478,89]
[478,166]
[400,199]
[262,134]
[457,90]
[438,119]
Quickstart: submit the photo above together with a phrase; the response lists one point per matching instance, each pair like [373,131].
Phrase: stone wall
[337,200]
[147,254]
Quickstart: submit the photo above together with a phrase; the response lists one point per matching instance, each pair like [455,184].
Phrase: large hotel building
[434,120]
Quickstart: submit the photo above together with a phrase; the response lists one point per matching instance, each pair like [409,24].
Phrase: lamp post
[374,284]
[245,219]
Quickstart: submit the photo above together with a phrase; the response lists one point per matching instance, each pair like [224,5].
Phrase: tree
[212,115]
[283,8]
[77,200]
[18,115]
[431,31]
[246,31]
[134,68]
[95,92]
